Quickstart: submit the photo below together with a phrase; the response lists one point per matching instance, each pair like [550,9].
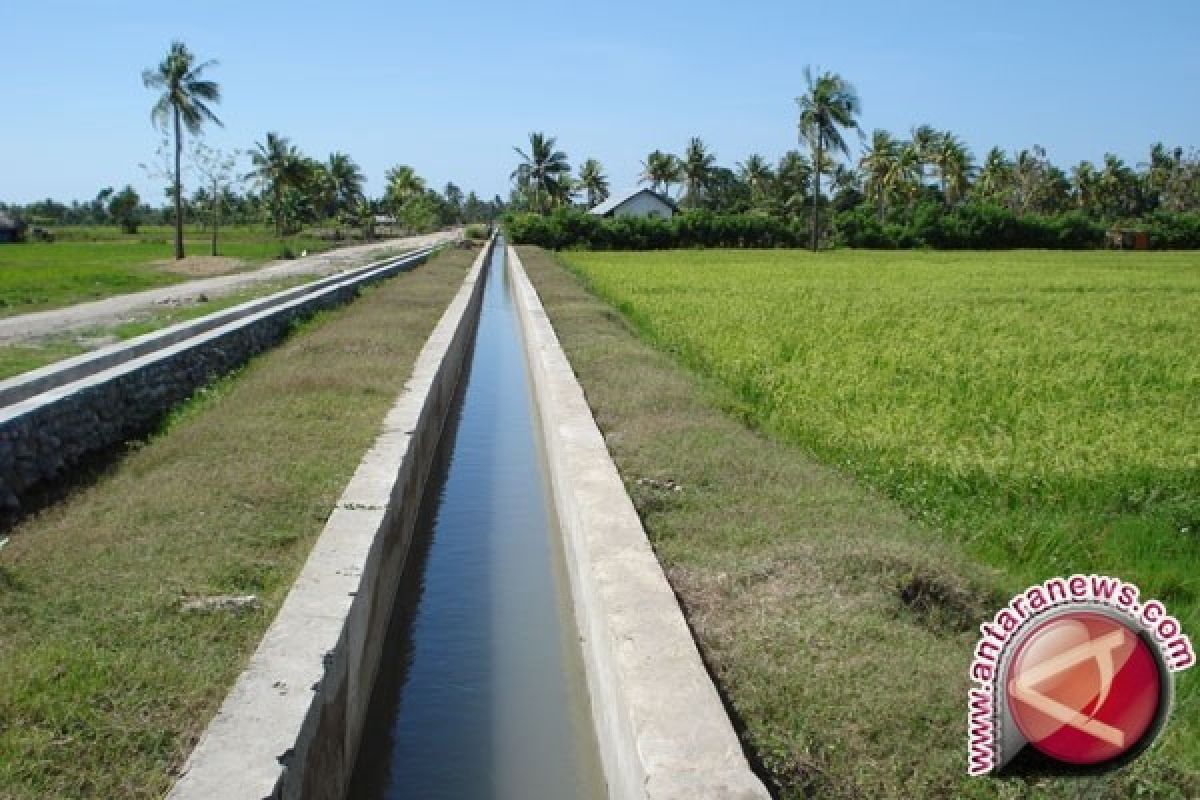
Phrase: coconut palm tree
[184,103]
[698,165]
[660,170]
[1086,183]
[829,105]
[995,182]
[403,184]
[954,164]
[277,166]
[924,143]
[756,173]
[541,166]
[879,165]
[346,179]
[791,184]
[593,181]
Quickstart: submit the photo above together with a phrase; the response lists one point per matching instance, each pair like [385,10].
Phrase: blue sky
[450,87]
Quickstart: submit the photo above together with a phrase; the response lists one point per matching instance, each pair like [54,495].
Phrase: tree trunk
[216,217]
[178,191]
[816,188]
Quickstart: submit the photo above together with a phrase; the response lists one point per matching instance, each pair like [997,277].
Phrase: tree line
[283,185]
[923,189]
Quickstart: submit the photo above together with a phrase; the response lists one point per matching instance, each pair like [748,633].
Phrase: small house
[636,203]
[12,229]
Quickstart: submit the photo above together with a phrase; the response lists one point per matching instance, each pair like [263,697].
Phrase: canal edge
[662,730]
[290,727]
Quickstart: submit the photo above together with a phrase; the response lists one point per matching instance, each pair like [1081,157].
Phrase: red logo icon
[1084,688]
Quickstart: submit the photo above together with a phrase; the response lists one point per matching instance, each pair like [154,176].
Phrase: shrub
[477,232]
[569,228]
[1174,231]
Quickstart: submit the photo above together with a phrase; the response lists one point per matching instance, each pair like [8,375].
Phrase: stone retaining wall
[43,437]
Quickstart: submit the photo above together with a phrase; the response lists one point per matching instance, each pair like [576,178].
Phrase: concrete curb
[26,385]
[292,724]
[89,403]
[662,730]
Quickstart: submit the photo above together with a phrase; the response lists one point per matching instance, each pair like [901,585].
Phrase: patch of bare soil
[201,266]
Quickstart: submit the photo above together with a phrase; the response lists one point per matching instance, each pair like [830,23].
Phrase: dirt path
[116,309]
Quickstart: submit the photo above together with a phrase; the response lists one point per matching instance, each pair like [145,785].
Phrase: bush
[1173,231]
[570,228]
[477,232]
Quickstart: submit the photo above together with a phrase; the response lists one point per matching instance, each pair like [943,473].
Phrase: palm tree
[403,184]
[184,101]
[1085,182]
[829,105]
[925,139]
[346,180]
[277,164]
[756,173]
[560,189]
[541,166]
[660,170]
[698,165]
[792,178]
[593,181]
[955,166]
[996,178]
[879,165]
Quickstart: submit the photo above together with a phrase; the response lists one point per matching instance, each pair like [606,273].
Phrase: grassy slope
[96,263]
[105,684]
[838,627]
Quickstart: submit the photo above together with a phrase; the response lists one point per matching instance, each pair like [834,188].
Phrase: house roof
[614,201]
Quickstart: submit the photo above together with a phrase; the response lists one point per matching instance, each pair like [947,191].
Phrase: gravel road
[113,310]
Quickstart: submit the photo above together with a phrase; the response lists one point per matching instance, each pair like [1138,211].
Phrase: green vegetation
[926,191]
[1042,407]
[543,176]
[966,227]
[92,263]
[106,683]
[838,627]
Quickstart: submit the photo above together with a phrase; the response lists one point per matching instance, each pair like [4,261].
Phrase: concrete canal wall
[291,726]
[662,730]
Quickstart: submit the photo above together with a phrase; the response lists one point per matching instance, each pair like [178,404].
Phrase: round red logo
[1084,688]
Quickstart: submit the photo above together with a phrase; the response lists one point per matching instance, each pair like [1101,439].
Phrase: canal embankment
[108,679]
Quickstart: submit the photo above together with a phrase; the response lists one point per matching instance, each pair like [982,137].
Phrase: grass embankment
[88,263]
[838,622]
[104,682]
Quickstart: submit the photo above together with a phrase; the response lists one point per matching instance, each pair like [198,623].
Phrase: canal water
[481,693]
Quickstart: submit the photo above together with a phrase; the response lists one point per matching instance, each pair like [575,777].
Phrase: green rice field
[1042,407]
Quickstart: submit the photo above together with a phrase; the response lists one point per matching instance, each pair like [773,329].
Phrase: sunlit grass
[90,263]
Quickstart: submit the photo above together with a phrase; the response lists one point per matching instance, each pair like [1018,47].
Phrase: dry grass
[838,629]
[105,683]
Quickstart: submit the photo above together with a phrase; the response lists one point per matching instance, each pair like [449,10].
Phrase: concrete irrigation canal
[483,667]
[482,616]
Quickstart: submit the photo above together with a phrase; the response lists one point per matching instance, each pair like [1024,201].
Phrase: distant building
[11,228]
[636,203]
